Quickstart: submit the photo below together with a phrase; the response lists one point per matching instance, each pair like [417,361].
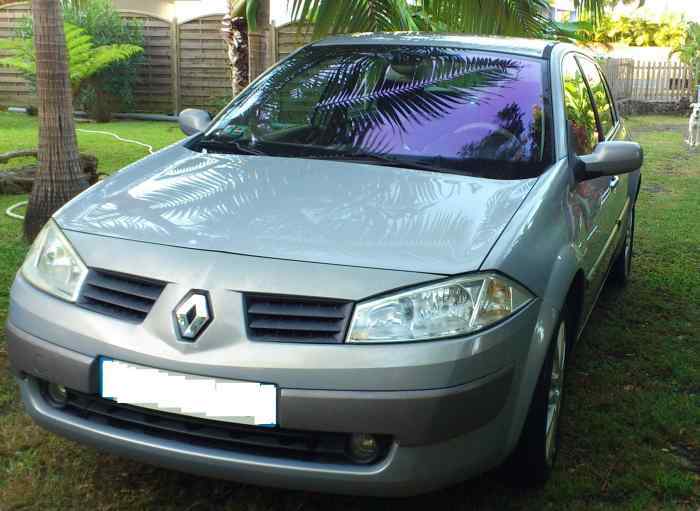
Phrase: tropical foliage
[499,17]
[636,31]
[689,49]
[85,60]
[495,17]
[112,89]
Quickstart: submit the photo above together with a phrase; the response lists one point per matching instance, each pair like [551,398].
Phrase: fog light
[58,394]
[363,447]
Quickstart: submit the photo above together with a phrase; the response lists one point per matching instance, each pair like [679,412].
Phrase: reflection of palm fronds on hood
[106,217]
[221,185]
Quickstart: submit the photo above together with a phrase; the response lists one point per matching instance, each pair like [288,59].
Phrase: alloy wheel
[629,237]
[556,387]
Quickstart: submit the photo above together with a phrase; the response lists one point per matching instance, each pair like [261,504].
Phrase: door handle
[614,181]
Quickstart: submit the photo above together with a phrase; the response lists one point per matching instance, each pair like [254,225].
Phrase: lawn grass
[20,132]
[631,425]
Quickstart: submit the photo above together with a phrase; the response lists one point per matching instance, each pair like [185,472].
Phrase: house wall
[159,8]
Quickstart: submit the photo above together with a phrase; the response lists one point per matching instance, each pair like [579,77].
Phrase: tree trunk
[59,177]
[257,41]
[234,30]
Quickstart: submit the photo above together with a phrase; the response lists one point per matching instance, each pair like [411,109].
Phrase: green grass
[631,427]
[20,132]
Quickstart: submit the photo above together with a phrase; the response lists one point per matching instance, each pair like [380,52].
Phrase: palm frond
[20,64]
[498,17]
[333,17]
[84,59]
[487,17]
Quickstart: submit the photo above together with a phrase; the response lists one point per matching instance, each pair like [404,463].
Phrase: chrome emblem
[193,315]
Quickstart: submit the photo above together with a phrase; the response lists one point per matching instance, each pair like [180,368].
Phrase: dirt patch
[654,189]
[677,128]
[688,457]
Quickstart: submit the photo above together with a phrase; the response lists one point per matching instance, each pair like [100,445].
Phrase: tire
[622,266]
[530,464]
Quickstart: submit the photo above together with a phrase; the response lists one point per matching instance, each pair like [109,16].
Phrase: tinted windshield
[444,109]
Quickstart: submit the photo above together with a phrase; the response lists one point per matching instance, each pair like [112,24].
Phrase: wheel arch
[565,290]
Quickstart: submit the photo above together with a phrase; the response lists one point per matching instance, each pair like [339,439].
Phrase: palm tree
[59,177]
[244,29]
[493,17]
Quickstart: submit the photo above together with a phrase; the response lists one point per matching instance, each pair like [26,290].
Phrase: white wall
[186,9]
[655,9]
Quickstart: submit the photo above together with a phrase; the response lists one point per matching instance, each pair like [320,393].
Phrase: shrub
[112,89]
[689,49]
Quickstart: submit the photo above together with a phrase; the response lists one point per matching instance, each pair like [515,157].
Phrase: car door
[610,129]
[591,199]
[616,196]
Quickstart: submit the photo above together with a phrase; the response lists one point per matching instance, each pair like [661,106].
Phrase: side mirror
[609,159]
[193,121]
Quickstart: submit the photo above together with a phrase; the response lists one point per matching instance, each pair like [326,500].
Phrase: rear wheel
[622,267]
[531,462]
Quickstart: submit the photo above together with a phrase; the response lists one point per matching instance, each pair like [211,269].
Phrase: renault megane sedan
[364,276]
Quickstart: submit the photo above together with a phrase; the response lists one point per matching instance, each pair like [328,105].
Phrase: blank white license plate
[185,394]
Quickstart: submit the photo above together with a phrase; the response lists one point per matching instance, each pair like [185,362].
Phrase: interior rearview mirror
[193,121]
[609,159]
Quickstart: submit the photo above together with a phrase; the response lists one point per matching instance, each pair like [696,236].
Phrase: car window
[579,109]
[600,95]
[446,109]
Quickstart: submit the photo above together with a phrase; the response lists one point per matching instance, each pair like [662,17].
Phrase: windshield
[442,109]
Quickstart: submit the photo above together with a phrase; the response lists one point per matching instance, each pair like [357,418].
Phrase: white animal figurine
[694,126]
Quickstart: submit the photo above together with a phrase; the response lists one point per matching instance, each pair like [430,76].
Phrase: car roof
[512,45]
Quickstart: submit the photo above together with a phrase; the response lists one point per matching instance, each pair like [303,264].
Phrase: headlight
[53,266]
[452,307]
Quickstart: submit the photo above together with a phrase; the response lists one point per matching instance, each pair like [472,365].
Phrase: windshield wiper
[378,159]
[228,146]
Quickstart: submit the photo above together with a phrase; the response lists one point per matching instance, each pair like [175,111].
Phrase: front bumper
[428,428]
[412,417]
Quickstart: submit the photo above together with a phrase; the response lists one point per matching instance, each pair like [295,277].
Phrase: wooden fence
[185,62]
[14,89]
[649,81]
[153,90]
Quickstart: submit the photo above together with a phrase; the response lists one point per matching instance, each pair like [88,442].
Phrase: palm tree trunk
[59,177]
[257,41]
[234,30]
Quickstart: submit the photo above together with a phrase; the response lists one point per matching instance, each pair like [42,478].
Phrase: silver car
[364,276]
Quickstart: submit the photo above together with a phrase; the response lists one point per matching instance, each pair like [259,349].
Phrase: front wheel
[532,461]
[622,267]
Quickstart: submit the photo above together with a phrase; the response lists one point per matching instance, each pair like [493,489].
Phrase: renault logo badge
[193,315]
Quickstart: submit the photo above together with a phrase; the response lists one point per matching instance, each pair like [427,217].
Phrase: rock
[21,180]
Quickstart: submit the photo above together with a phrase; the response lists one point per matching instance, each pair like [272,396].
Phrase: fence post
[271,45]
[175,64]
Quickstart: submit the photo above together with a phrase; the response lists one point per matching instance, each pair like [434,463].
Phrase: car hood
[307,210]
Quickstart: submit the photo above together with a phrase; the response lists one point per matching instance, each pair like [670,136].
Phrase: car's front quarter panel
[538,249]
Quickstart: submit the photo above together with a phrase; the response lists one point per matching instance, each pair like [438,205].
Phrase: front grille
[294,319]
[122,296]
[274,442]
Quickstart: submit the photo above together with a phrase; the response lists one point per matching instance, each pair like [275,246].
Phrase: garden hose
[11,210]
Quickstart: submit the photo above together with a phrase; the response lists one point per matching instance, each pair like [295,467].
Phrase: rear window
[442,109]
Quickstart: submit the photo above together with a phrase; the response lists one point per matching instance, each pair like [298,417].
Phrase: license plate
[218,399]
